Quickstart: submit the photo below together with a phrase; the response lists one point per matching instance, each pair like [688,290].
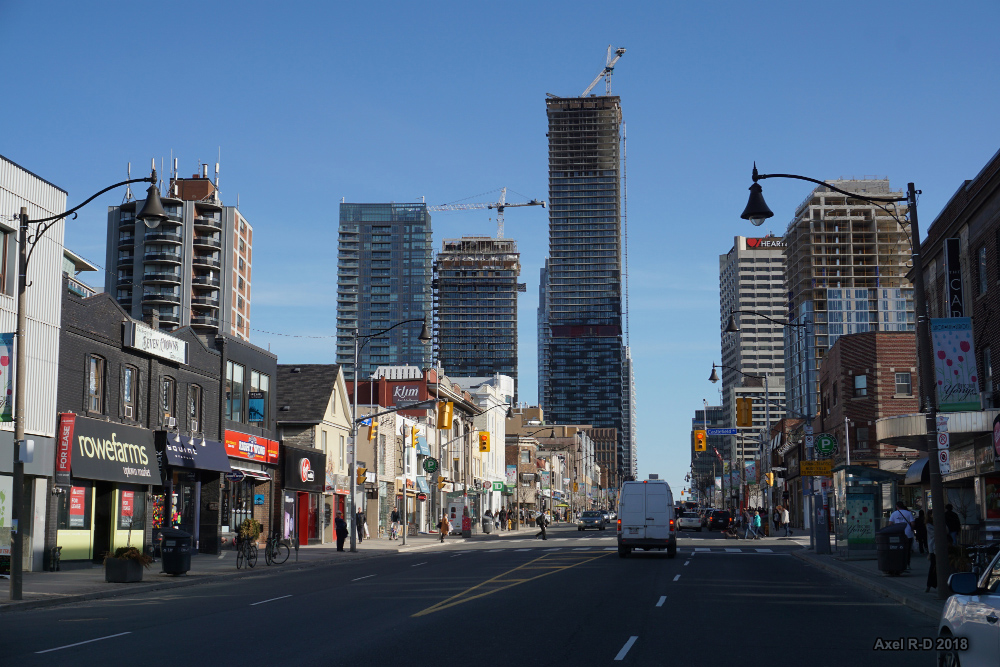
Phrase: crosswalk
[598,547]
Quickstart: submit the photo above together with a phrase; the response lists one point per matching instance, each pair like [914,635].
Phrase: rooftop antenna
[176,188]
[217,182]
[128,188]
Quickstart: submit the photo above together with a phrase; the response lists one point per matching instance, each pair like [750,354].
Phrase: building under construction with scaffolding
[845,266]
[475,301]
[581,344]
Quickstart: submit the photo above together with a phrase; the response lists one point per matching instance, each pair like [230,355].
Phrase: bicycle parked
[981,555]
[246,552]
[275,550]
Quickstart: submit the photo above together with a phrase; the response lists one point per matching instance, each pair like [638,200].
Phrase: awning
[867,472]
[911,430]
[258,475]
[422,448]
[422,486]
[181,451]
[918,473]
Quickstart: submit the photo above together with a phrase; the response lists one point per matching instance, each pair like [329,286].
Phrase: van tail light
[619,525]
[671,522]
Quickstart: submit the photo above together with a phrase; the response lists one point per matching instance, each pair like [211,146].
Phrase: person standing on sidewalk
[444,525]
[540,522]
[394,518]
[952,523]
[932,572]
[920,531]
[784,521]
[359,520]
[903,515]
[503,519]
[341,528]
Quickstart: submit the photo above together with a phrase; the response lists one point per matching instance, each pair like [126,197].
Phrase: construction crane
[498,205]
[609,67]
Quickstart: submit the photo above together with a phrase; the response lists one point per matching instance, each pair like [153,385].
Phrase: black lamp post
[757,212]
[152,215]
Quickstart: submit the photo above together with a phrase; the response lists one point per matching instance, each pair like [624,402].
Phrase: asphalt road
[568,601]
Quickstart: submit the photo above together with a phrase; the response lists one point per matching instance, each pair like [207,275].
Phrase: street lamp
[151,215]
[424,338]
[757,212]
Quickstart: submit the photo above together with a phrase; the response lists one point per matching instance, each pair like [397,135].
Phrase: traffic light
[414,431]
[769,478]
[372,429]
[484,441]
[362,476]
[445,411]
[744,412]
[441,483]
[700,441]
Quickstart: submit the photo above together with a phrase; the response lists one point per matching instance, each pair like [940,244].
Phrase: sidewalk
[908,588]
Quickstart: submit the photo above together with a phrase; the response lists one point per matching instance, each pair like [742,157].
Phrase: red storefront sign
[64,448]
[128,504]
[251,447]
[77,511]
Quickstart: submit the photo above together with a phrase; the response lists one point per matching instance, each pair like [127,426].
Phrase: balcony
[171,257]
[155,277]
[205,281]
[125,280]
[126,258]
[201,221]
[204,321]
[158,297]
[159,235]
[205,302]
[206,262]
[127,221]
[125,302]
[207,242]
[126,241]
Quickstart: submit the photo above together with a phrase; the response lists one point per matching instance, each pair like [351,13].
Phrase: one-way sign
[722,431]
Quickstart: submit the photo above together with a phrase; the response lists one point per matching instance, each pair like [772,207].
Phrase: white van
[646,517]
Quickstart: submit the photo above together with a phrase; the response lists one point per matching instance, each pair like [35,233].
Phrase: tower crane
[498,205]
[609,67]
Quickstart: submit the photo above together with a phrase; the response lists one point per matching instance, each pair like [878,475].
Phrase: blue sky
[312,102]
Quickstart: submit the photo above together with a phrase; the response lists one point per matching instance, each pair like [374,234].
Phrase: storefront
[304,484]
[189,465]
[107,471]
[37,475]
[248,488]
[335,500]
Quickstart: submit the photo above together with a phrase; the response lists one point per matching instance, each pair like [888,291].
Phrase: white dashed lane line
[364,577]
[676,577]
[418,564]
[663,598]
[622,653]
[254,604]
[59,648]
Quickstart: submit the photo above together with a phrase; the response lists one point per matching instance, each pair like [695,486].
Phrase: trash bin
[175,551]
[892,548]
[487,525]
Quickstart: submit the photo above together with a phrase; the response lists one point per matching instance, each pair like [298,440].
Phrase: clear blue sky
[311,102]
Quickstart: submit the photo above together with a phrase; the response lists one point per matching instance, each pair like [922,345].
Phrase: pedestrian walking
[903,515]
[341,527]
[394,518]
[920,531]
[503,519]
[952,523]
[784,521]
[757,534]
[931,557]
[444,525]
[359,519]
[540,522]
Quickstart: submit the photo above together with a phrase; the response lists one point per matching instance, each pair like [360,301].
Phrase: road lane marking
[702,549]
[554,549]
[628,645]
[687,562]
[611,548]
[89,641]
[364,577]
[254,604]
[763,551]
[676,577]
[522,549]
[734,551]
[416,564]
[456,555]
[663,598]
[581,548]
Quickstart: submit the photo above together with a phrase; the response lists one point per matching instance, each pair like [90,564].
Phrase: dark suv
[720,519]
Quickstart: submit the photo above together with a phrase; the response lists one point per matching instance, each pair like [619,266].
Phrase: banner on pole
[955,364]
[6,377]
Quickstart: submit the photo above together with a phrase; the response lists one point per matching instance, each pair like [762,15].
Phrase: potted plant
[250,529]
[125,565]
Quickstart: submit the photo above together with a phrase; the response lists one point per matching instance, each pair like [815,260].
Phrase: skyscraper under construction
[581,353]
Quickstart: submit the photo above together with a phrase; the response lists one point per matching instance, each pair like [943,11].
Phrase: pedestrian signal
[372,429]
[362,476]
[484,441]
[445,411]
[744,412]
[700,441]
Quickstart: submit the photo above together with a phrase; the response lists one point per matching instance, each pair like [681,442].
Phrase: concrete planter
[122,570]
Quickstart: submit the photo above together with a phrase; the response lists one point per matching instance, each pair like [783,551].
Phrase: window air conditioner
[128,412]
[171,422]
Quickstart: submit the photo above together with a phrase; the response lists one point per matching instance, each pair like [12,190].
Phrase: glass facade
[582,309]
[384,272]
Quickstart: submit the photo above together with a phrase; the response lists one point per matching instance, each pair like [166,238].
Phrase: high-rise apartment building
[476,306]
[752,278]
[194,269]
[582,309]
[384,272]
[706,466]
[846,264]
[629,441]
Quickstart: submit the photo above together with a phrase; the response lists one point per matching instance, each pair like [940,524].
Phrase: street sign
[235,475]
[808,429]
[943,439]
[430,464]
[825,443]
[722,431]
[421,497]
[944,460]
[816,468]
[942,423]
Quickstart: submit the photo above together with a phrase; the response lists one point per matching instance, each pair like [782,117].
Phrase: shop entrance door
[104,514]
[303,527]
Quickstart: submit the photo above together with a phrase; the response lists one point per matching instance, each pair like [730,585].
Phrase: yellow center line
[506,583]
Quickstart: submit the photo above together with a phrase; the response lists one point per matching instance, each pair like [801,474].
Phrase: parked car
[607,517]
[689,520]
[720,519]
[969,631]
[591,519]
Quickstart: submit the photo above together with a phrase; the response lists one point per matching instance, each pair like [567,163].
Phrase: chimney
[152,319]
[204,171]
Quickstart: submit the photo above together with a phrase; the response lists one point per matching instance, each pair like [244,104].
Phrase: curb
[184,582]
[907,600]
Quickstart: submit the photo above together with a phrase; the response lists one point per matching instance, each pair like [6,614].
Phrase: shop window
[903,385]
[130,378]
[194,409]
[74,507]
[323,443]
[260,385]
[860,385]
[168,395]
[131,510]
[238,502]
[234,391]
[95,384]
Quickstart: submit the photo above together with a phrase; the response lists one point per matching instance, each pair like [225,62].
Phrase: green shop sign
[430,464]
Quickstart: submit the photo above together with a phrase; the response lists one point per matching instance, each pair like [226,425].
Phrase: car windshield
[592,514]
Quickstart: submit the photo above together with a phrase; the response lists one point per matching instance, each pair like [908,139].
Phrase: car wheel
[671,550]
[623,552]
[699,530]
[579,528]
[950,657]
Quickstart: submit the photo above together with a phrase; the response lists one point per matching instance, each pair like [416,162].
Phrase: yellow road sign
[816,468]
